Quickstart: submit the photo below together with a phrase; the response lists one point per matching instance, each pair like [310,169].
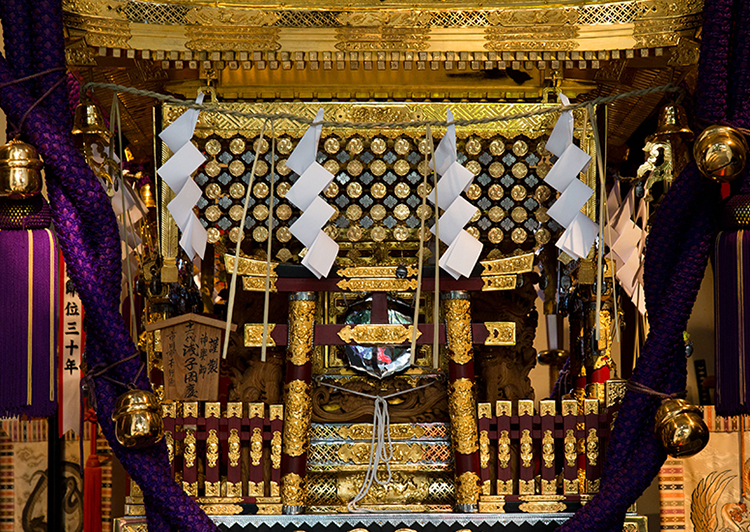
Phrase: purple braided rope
[713,68]
[88,236]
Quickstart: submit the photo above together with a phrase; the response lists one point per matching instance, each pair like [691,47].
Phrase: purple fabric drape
[88,235]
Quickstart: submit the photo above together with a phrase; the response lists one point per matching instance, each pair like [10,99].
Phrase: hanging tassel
[92,488]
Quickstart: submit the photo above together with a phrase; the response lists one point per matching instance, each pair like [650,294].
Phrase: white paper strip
[307,227]
[572,162]
[314,180]
[578,238]
[445,153]
[455,180]
[306,151]
[562,134]
[462,255]
[454,219]
[570,202]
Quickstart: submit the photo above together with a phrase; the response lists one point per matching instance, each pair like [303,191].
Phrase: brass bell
[89,126]
[552,357]
[680,428]
[147,195]
[673,121]
[720,153]
[20,167]
[138,421]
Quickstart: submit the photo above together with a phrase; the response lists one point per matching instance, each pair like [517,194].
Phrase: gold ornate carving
[484,449]
[234,410]
[256,446]
[570,407]
[213,489]
[258,284]
[399,431]
[503,449]
[527,448]
[499,282]
[486,487]
[569,447]
[98,31]
[292,490]
[215,16]
[542,507]
[377,334]
[170,445]
[254,335]
[212,448]
[190,409]
[462,411]
[359,453]
[234,448]
[269,509]
[549,487]
[276,450]
[222,509]
[276,412]
[213,410]
[274,487]
[526,487]
[376,271]
[592,486]
[467,488]
[301,324]
[504,487]
[377,285]
[458,329]
[500,333]
[548,449]
[592,447]
[255,410]
[525,407]
[234,489]
[191,488]
[492,507]
[254,489]
[296,427]
[503,408]
[508,265]
[547,408]
[484,410]
[249,267]
[570,486]
[190,448]
[616,389]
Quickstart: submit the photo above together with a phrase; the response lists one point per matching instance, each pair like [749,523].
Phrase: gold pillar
[461,402]
[298,401]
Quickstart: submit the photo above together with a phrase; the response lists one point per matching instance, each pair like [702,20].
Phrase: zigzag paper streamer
[177,172]
[463,249]
[580,231]
[305,195]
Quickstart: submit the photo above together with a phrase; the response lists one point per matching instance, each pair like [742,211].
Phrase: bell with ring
[138,421]
[720,153]
[20,167]
[673,121]
[680,428]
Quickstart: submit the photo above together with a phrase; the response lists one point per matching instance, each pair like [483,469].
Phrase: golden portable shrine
[345,227]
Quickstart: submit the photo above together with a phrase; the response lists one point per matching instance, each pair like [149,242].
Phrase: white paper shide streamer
[580,231]
[177,173]
[463,248]
[305,195]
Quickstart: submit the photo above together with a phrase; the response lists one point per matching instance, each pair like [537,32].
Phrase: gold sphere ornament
[138,421]
[680,428]
[720,153]
[20,166]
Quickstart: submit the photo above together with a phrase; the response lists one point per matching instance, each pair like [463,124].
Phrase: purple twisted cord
[88,236]
[677,253]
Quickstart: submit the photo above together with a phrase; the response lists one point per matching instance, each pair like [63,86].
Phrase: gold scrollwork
[467,488]
[292,490]
[508,265]
[525,407]
[458,329]
[299,409]
[503,449]
[548,449]
[222,509]
[542,507]
[484,449]
[212,448]
[248,266]
[256,446]
[493,283]
[191,488]
[213,489]
[376,271]
[570,486]
[549,487]
[592,486]
[527,448]
[377,285]
[276,412]
[234,448]
[504,487]
[276,450]
[526,487]
[170,445]
[301,323]
[592,447]
[486,487]
[399,431]
[258,284]
[255,489]
[359,453]
[213,410]
[462,412]
[190,448]
[254,335]
[234,410]
[500,333]
[569,447]
[234,489]
[484,410]
[503,408]
[377,334]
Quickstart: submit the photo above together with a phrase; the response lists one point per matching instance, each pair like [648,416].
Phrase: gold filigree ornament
[401,167]
[378,233]
[519,235]
[503,449]
[467,488]
[484,449]
[500,333]
[213,147]
[378,146]
[569,448]
[402,146]
[302,320]
[473,146]
[496,214]
[495,192]
[542,507]
[527,446]
[495,235]
[378,167]
[237,146]
[237,190]
[592,447]
[234,447]
[548,449]
[354,190]
[297,424]
[377,334]
[237,168]
[519,170]
[292,490]
[497,147]
[462,411]
[260,190]
[212,168]
[276,450]
[213,191]
[256,446]
[212,448]
[285,146]
[474,167]
[401,211]
[235,212]
[474,192]
[378,191]
[402,190]
[520,148]
[190,451]
[497,169]
[332,145]
[332,166]
[354,167]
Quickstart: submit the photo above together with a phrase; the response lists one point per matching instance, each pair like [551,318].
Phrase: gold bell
[720,153]
[89,125]
[673,121]
[19,170]
[138,421]
[147,195]
[680,428]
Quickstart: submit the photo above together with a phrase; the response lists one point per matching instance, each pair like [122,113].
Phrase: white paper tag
[308,225]
[578,238]
[179,132]
[570,202]
[571,163]
[454,219]
[306,151]
[455,180]
[321,255]
[177,170]
[445,153]
[562,134]
[312,182]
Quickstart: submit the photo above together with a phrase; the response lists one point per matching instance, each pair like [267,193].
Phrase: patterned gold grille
[150,13]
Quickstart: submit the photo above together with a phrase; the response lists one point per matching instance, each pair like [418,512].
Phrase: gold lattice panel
[378,185]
